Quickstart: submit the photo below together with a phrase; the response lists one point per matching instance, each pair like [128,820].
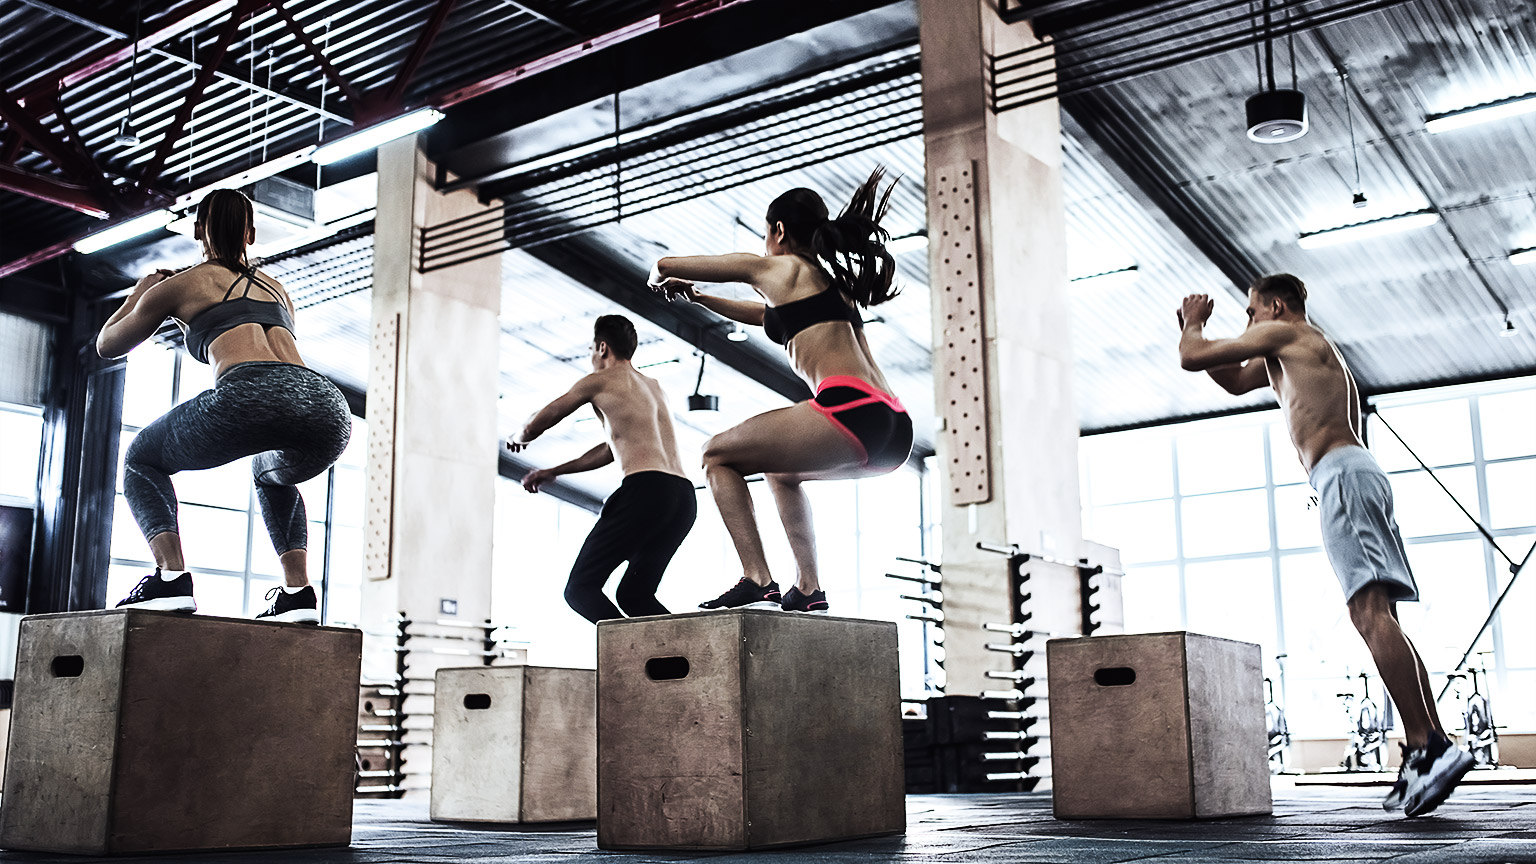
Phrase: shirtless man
[1281,349]
[647,518]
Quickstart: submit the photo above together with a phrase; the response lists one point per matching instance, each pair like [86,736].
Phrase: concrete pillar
[1002,341]
[432,385]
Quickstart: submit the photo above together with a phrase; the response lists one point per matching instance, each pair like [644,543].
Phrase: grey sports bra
[232,312]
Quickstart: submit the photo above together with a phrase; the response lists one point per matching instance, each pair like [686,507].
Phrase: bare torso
[200,288]
[1317,394]
[822,350]
[633,409]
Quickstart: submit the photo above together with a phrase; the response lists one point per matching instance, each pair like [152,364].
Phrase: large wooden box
[1157,726]
[138,731]
[514,744]
[740,729]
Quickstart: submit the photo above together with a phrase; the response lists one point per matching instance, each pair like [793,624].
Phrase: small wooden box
[741,729]
[137,731]
[1157,726]
[514,744]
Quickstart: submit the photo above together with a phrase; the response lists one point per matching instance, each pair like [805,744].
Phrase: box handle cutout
[477,701]
[1115,676]
[68,666]
[666,668]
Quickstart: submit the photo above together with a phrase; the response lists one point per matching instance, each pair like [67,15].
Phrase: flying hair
[850,248]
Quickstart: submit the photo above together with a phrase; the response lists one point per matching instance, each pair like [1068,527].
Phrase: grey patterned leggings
[291,419]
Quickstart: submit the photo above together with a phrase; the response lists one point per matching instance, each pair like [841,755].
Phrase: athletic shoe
[816,601]
[1442,765]
[1407,775]
[300,607]
[152,592]
[747,594]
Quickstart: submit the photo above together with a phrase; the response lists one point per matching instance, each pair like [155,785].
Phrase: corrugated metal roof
[1408,309]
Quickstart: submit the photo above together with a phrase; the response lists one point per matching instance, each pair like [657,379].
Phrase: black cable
[1269,46]
[1481,530]
[1290,43]
[1349,118]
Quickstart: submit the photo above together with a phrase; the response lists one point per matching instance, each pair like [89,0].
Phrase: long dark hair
[226,217]
[851,248]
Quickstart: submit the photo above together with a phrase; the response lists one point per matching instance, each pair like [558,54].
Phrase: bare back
[200,288]
[1317,394]
[822,350]
[633,409]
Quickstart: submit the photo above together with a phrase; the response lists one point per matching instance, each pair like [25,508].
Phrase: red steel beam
[418,52]
[167,27]
[11,268]
[319,57]
[58,151]
[151,174]
[670,14]
[77,198]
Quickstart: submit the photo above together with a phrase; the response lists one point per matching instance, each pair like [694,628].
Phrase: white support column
[1002,337]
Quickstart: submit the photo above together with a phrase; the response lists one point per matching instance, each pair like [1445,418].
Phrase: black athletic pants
[643,523]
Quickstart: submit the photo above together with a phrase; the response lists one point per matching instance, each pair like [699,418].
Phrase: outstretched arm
[1197,353]
[674,277]
[147,306]
[553,413]
[591,460]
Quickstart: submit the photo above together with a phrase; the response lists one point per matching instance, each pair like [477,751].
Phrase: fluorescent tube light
[138,226]
[1521,257]
[909,243]
[1485,113]
[1109,279]
[1366,230]
[373,136]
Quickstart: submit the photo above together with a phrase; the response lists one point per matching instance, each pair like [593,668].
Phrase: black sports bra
[227,314]
[782,323]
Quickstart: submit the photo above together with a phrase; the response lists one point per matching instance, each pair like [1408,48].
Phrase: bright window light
[1109,279]
[909,243]
[1366,230]
[1521,257]
[373,136]
[1486,113]
[138,226]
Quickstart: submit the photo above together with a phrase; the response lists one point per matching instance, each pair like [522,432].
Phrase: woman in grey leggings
[264,403]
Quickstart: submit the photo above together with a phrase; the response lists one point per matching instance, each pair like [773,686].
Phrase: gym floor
[1479,824]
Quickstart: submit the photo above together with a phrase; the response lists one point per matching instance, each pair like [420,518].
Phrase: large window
[21,440]
[1219,533]
[223,538]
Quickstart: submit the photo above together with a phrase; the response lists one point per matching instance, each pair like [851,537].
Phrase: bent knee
[1370,610]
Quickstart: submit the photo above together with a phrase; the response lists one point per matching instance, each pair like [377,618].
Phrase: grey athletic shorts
[1359,533]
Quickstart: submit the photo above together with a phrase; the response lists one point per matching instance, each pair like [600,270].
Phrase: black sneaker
[152,592]
[1442,765]
[816,601]
[300,607]
[746,594]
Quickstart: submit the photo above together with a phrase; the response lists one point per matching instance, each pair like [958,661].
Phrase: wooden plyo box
[137,731]
[514,744]
[1157,726]
[742,729]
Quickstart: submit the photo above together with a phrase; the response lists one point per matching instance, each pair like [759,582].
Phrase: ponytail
[852,246]
[226,219]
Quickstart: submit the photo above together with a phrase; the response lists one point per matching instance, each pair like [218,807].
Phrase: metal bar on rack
[918,579]
[1016,650]
[927,618]
[1003,695]
[1020,678]
[1006,736]
[1017,631]
[935,567]
[931,601]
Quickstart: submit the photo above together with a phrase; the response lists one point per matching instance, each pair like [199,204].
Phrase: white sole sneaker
[294,616]
[764,604]
[164,604]
[1438,782]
